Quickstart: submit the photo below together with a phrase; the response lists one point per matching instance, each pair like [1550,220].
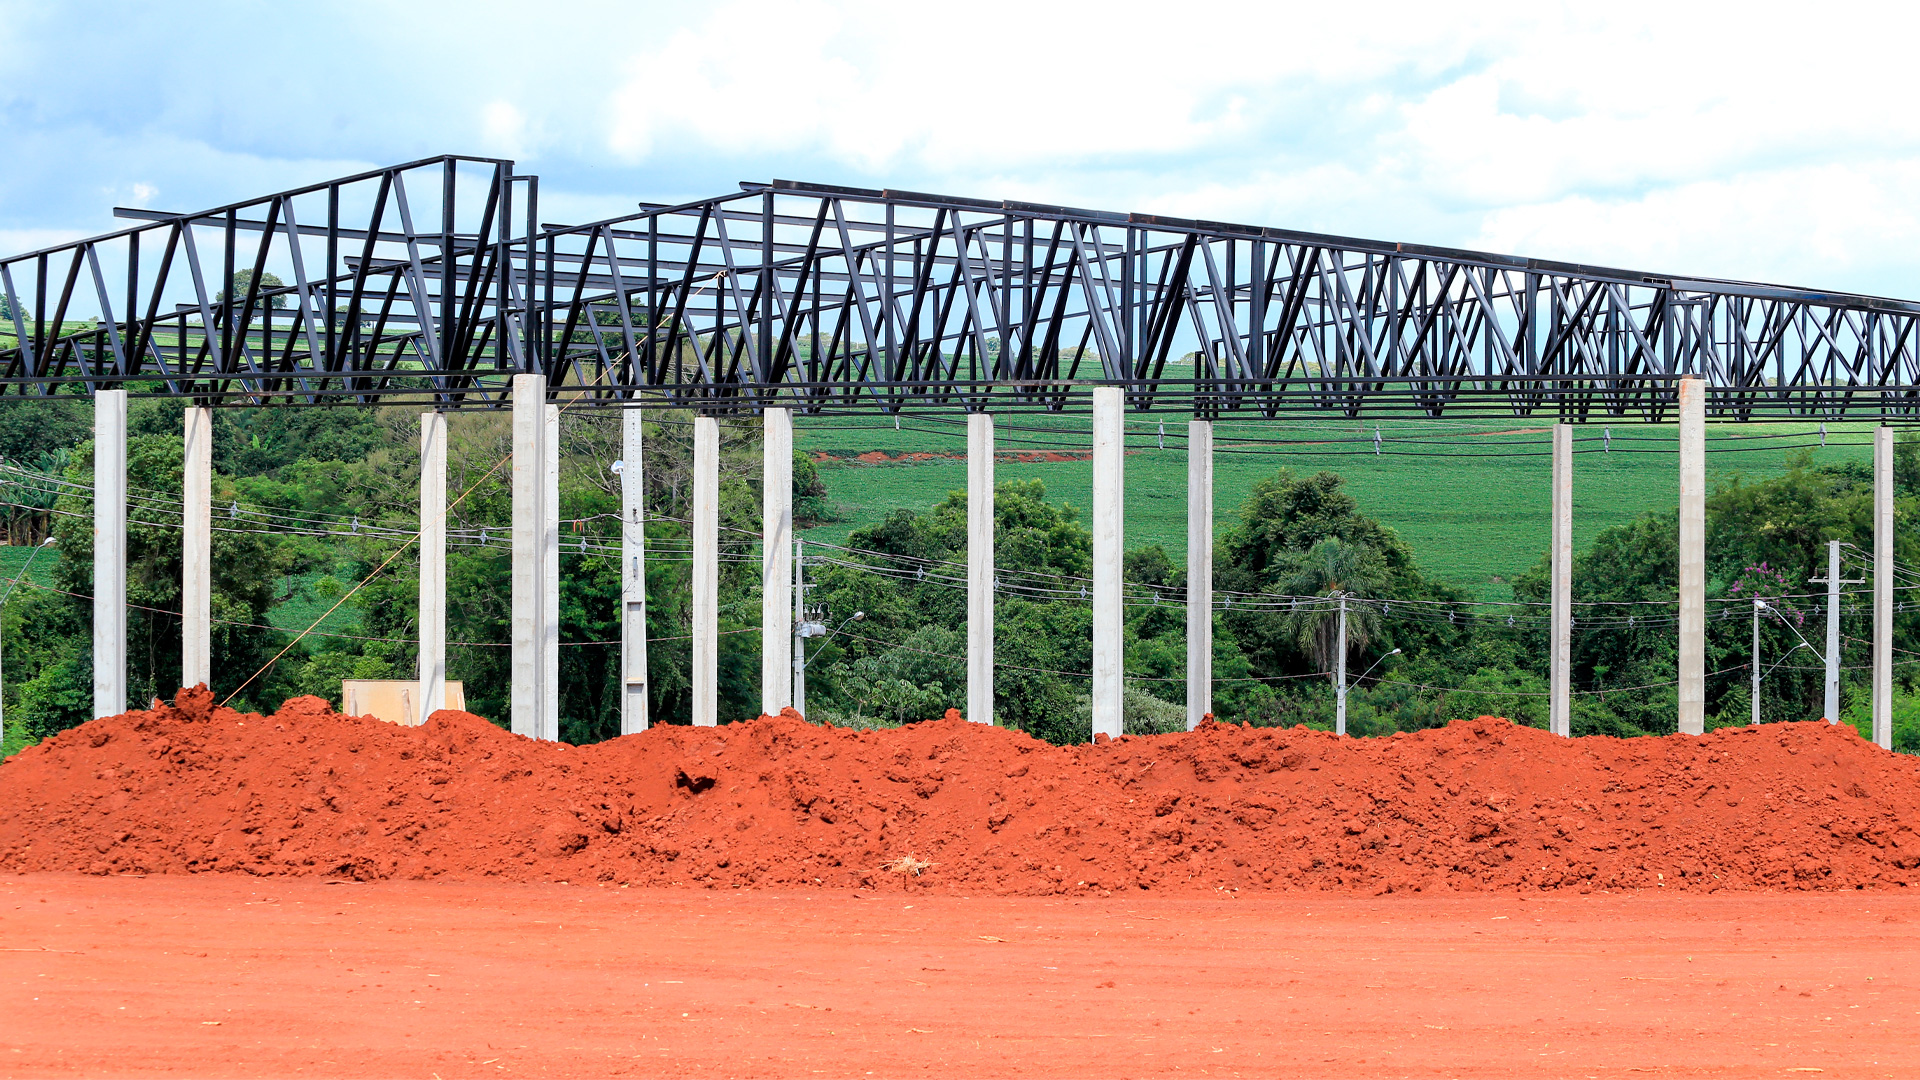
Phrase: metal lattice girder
[428,280]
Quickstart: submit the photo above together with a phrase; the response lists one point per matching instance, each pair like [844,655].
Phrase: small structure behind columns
[1883,587]
[776,567]
[433,563]
[1693,555]
[633,568]
[1199,571]
[109,552]
[706,571]
[1109,598]
[980,571]
[536,529]
[196,549]
[1560,687]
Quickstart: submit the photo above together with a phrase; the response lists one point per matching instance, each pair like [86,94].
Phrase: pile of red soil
[1476,805]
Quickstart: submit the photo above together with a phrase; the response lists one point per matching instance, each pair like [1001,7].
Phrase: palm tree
[1334,568]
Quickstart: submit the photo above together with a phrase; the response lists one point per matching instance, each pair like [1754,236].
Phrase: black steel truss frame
[434,282]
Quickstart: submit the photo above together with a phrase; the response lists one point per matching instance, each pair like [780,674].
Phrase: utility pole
[1833,581]
[1340,673]
[1758,606]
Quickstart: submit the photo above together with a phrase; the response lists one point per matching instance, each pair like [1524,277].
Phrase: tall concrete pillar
[433,563]
[980,570]
[1831,699]
[1199,571]
[1109,598]
[109,552]
[550,578]
[633,579]
[196,549]
[1693,555]
[536,530]
[1560,688]
[776,568]
[706,571]
[1883,587]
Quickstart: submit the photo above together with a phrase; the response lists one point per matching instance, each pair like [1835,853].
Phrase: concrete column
[633,568]
[706,571]
[1693,555]
[433,563]
[109,552]
[550,577]
[1560,696]
[980,571]
[1831,701]
[196,549]
[1199,571]
[528,692]
[1109,598]
[1883,587]
[776,571]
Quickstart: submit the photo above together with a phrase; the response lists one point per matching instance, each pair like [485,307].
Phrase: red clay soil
[949,805]
[215,975]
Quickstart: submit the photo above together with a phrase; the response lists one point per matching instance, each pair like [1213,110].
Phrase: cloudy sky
[1703,139]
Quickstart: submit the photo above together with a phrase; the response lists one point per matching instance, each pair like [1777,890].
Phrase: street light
[4,597]
[1340,719]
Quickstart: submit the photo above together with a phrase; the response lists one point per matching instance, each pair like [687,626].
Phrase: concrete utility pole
[706,571]
[1560,696]
[1199,571]
[980,534]
[633,587]
[109,552]
[1109,598]
[433,563]
[776,543]
[1758,607]
[1833,581]
[1340,672]
[534,694]
[196,549]
[799,630]
[1693,555]
[1883,587]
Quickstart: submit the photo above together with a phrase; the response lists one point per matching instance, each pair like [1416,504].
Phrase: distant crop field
[1472,497]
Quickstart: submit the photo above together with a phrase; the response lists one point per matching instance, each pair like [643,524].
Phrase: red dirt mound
[777,801]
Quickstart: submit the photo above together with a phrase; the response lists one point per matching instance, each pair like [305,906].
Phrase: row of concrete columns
[534,696]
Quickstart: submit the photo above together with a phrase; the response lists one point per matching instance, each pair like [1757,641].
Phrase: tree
[1334,568]
[243,282]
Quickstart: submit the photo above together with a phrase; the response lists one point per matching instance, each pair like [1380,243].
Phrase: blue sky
[1707,139]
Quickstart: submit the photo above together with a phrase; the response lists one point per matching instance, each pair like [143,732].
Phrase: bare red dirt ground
[229,975]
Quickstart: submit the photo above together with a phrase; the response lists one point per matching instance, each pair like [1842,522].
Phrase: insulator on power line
[896,422]
[1629,622]
[1509,620]
[234,510]
[1823,434]
[1376,440]
[1163,434]
[1606,440]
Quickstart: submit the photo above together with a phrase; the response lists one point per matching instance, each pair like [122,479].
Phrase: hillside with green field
[1470,497]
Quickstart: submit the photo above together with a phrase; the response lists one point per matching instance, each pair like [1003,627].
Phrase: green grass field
[1470,496]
